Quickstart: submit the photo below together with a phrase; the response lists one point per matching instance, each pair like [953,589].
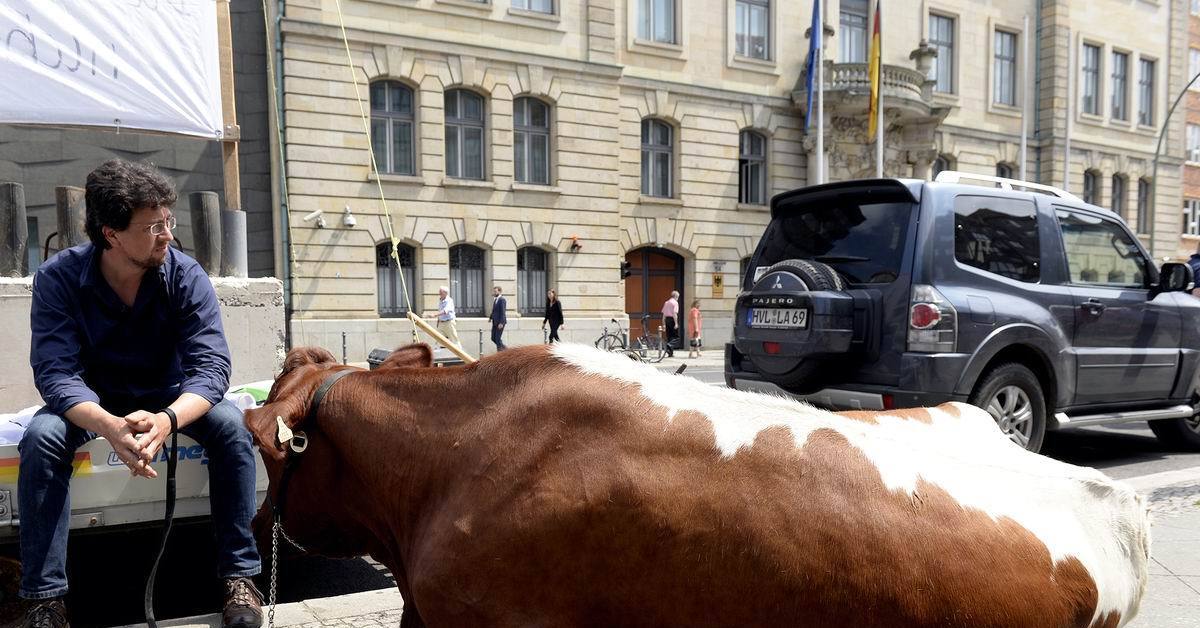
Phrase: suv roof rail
[954,176]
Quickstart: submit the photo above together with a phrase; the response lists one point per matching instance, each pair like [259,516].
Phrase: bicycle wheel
[610,342]
[656,350]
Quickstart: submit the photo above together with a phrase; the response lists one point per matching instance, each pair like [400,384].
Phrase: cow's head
[311,512]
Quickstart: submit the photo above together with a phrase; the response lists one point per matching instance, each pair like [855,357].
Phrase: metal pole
[820,63]
[343,347]
[1025,89]
[879,95]
[1162,133]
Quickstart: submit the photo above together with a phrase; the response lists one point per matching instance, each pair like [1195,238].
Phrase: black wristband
[174,419]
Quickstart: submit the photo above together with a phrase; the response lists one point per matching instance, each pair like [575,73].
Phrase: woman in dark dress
[554,315]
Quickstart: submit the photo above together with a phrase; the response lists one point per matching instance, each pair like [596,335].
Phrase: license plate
[779,318]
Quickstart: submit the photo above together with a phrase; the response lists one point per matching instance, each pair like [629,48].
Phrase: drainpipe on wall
[278,156]
[1036,37]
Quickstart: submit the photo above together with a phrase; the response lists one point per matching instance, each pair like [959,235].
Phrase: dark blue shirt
[89,346]
[1194,262]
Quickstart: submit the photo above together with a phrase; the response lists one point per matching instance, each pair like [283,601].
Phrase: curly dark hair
[116,189]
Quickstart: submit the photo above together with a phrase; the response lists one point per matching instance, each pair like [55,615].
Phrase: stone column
[922,162]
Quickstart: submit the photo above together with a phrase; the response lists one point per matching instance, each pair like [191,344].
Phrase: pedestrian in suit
[554,315]
[498,317]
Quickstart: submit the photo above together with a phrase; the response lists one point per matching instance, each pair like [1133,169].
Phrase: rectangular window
[656,20]
[998,236]
[754,28]
[1004,70]
[1090,79]
[531,281]
[852,31]
[1120,86]
[1191,216]
[1146,92]
[1193,142]
[541,6]
[941,37]
[1193,66]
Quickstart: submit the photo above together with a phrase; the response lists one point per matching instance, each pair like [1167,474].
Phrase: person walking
[127,344]
[1194,262]
[445,316]
[694,330]
[554,315]
[670,314]
[498,317]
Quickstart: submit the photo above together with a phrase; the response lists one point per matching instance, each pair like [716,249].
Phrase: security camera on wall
[316,216]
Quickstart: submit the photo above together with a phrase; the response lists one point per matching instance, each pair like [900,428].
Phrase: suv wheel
[815,275]
[1178,433]
[1013,396]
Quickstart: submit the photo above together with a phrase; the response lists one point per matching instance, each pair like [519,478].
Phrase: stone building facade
[536,144]
[1190,224]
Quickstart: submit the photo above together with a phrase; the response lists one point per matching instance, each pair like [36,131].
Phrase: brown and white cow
[562,486]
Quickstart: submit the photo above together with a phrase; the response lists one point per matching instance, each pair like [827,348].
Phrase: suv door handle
[1093,306]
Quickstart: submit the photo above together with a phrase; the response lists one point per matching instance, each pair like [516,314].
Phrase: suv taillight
[932,321]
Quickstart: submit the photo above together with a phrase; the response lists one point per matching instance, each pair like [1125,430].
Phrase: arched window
[465,144]
[941,164]
[1004,171]
[1120,190]
[531,140]
[752,168]
[1091,187]
[394,300]
[1143,206]
[392,127]
[658,147]
[467,279]
[532,280]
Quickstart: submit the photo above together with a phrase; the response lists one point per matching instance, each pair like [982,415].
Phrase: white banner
[127,64]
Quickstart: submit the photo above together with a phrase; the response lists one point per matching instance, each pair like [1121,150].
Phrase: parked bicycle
[650,347]
[613,340]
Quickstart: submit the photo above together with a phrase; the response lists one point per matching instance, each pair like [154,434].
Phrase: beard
[153,260]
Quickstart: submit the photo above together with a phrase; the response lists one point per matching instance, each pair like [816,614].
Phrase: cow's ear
[265,428]
[301,356]
[415,355]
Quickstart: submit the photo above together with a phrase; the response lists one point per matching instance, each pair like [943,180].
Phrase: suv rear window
[865,243]
[997,235]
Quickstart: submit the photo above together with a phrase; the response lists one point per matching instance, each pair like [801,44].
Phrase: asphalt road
[107,572]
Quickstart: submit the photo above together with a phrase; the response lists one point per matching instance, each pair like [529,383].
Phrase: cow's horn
[284,433]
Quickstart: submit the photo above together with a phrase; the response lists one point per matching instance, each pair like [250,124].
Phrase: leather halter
[295,449]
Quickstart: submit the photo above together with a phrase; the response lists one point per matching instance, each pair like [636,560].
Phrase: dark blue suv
[1018,298]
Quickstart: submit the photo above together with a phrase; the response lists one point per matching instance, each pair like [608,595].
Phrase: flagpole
[1025,89]
[879,96]
[820,63]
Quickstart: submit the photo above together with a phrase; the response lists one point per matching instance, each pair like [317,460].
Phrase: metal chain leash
[274,573]
[277,531]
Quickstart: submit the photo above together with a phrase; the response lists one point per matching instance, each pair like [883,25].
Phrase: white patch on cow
[1075,511]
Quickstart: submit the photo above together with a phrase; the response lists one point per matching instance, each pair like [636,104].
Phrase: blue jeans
[43,495]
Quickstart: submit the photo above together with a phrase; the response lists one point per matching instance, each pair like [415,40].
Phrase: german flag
[875,70]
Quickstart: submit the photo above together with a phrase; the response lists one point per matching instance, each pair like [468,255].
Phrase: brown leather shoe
[50,613]
[243,604]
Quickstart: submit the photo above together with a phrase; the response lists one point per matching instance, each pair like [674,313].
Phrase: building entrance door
[654,273]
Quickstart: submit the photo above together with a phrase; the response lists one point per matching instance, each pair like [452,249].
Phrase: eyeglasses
[162,226]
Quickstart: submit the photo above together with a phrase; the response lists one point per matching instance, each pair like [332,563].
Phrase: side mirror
[1173,277]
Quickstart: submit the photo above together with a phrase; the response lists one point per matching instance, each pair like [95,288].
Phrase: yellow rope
[366,122]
